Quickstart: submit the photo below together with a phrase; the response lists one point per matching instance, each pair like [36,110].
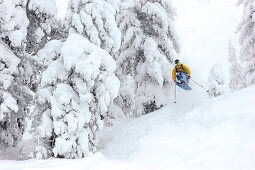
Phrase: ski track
[196,133]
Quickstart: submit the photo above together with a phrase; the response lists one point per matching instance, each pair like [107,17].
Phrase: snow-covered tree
[247,40]
[149,46]
[83,77]
[11,123]
[124,104]
[13,23]
[43,28]
[236,71]
[26,25]
[13,32]
[76,91]
[217,83]
[153,79]
[40,63]
[95,20]
[43,25]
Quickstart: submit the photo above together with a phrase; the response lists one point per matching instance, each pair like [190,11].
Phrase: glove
[188,77]
[175,81]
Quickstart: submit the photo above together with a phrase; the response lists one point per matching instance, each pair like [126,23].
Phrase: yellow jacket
[180,68]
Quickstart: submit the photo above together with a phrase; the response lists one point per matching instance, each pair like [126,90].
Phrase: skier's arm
[174,74]
[187,70]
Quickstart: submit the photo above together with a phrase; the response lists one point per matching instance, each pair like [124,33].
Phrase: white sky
[204,28]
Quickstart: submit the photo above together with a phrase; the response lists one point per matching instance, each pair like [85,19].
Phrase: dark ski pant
[182,77]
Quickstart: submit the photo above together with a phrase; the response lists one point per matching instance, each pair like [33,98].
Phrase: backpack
[181,68]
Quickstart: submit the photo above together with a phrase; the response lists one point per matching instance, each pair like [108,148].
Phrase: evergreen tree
[76,91]
[13,23]
[216,81]
[236,71]
[84,72]
[14,96]
[26,25]
[11,124]
[247,40]
[146,53]
[42,25]
[42,28]
[95,20]
[124,104]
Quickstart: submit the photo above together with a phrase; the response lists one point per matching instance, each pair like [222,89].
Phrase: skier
[181,72]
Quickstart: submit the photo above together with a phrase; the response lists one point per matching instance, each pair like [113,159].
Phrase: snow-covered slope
[196,133]
[216,134]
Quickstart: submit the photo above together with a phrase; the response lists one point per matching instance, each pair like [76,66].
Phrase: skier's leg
[185,77]
[181,77]
[178,77]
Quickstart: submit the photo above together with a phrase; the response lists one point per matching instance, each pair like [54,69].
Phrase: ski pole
[175,93]
[200,85]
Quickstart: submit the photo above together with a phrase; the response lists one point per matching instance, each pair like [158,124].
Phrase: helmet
[177,61]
